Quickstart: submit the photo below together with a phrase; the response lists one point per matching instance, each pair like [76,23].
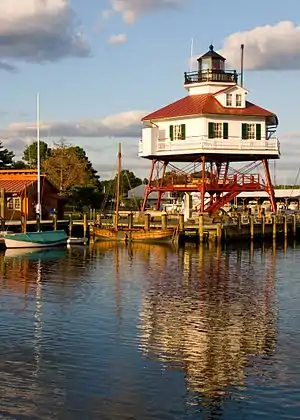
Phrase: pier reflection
[212,314]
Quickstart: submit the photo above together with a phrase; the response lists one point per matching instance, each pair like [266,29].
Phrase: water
[150,333]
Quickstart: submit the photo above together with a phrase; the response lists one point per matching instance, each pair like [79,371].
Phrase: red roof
[15,185]
[205,104]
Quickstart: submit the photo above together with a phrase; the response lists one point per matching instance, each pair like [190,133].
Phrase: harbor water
[150,332]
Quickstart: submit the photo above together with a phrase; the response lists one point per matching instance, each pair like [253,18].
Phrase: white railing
[204,143]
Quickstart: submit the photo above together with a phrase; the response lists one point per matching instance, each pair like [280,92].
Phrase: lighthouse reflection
[213,315]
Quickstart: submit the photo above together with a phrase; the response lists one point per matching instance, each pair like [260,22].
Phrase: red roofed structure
[19,194]
[206,130]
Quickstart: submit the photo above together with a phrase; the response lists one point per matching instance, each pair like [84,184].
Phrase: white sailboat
[37,239]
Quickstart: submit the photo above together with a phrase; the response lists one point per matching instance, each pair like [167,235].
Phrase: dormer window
[238,100]
[229,99]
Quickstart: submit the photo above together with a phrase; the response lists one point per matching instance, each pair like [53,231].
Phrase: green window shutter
[171,132]
[258,131]
[225,130]
[211,131]
[182,131]
[244,131]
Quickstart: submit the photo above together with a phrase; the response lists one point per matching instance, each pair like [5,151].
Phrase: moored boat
[133,235]
[130,234]
[36,239]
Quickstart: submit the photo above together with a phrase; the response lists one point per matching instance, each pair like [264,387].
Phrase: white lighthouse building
[212,125]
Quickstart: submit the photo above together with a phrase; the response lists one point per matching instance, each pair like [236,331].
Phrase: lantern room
[211,68]
[211,61]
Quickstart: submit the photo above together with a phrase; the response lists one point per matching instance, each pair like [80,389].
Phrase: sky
[100,66]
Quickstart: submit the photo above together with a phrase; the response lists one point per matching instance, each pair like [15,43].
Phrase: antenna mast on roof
[192,54]
[242,64]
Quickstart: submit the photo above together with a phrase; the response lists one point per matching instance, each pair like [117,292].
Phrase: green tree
[92,177]
[65,169]
[30,154]
[19,164]
[6,157]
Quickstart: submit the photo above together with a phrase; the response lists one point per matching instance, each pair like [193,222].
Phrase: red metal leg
[270,188]
[202,185]
[148,187]
[160,194]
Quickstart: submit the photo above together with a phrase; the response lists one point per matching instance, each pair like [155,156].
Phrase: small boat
[77,241]
[36,239]
[130,234]
[133,235]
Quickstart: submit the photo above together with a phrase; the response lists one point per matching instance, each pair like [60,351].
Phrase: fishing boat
[36,239]
[130,234]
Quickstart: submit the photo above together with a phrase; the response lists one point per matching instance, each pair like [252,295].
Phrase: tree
[19,164]
[30,154]
[92,178]
[129,181]
[65,169]
[6,157]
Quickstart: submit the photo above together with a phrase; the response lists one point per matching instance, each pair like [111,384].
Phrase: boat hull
[133,235]
[36,239]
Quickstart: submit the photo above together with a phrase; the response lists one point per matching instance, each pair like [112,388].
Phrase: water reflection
[211,314]
[144,332]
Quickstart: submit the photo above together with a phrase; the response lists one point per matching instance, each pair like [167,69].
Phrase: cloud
[266,47]
[131,10]
[117,39]
[126,124]
[39,31]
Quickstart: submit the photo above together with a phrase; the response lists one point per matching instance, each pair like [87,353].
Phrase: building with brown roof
[20,194]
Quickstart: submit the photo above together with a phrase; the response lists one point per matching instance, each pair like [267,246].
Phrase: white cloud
[126,124]
[117,39]
[38,31]
[131,10]
[266,47]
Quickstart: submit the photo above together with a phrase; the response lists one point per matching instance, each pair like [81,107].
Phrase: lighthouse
[194,143]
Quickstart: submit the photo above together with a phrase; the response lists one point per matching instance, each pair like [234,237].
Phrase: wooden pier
[238,227]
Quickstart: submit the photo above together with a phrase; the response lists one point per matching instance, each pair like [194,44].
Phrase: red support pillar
[270,188]
[202,185]
[165,164]
[148,187]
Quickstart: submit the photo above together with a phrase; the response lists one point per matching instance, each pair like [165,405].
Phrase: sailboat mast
[118,184]
[38,210]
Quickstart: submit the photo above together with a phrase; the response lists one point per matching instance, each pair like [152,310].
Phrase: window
[177,132]
[238,100]
[14,203]
[251,131]
[217,130]
[229,99]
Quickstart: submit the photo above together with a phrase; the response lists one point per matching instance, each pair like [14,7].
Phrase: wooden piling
[239,222]
[263,225]
[201,228]
[285,226]
[130,220]
[251,222]
[98,219]
[147,221]
[54,221]
[85,225]
[164,221]
[294,225]
[219,233]
[274,225]
[70,224]
[23,223]
[181,223]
